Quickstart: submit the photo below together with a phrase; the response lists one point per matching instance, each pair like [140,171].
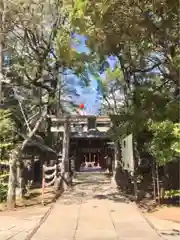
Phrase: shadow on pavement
[89,182]
[173,232]
[88,187]
[116,197]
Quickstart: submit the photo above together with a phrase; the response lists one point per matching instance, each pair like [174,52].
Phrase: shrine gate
[89,141]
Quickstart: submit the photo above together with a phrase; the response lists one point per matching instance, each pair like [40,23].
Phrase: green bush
[3,192]
[165,144]
[172,193]
[6,144]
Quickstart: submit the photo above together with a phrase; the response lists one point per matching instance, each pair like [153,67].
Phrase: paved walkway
[94,210]
[17,225]
[169,230]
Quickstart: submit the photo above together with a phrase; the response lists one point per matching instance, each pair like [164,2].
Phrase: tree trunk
[52,107]
[157,181]
[116,156]
[20,179]
[65,154]
[15,156]
[1,57]
[1,66]
[1,49]
[116,176]
[11,196]
[154,179]
[136,163]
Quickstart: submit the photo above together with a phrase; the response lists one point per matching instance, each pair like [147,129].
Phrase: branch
[114,100]
[31,134]
[109,104]
[39,144]
[147,69]
[32,117]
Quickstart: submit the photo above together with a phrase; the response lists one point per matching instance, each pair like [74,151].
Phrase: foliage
[165,143]
[171,193]
[176,145]
[3,192]
[142,36]
[6,137]
[132,31]
[37,59]
[140,91]
[37,39]
[6,126]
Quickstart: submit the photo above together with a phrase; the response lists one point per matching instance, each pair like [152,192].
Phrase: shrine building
[89,140]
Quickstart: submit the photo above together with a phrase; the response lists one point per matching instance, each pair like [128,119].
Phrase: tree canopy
[144,84]
[141,91]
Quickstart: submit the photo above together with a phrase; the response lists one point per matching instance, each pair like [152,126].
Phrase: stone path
[94,210]
[169,230]
[17,225]
[167,221]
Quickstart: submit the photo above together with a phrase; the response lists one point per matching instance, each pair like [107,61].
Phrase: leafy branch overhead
[143,85]
[132,31]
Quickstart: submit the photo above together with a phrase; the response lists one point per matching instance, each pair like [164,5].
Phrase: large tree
[143,37]
[38,43]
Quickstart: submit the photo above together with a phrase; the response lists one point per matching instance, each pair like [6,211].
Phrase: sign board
[127,153]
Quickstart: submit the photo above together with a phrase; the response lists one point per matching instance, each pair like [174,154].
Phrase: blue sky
[87,95]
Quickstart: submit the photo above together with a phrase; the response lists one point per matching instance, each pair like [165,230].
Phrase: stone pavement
[94,210]
[17,225]
[169,230]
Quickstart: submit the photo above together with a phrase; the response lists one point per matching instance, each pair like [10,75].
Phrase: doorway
[90,161]
[89,153]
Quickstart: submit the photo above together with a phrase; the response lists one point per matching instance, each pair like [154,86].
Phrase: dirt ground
[169,213]
[34,199]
